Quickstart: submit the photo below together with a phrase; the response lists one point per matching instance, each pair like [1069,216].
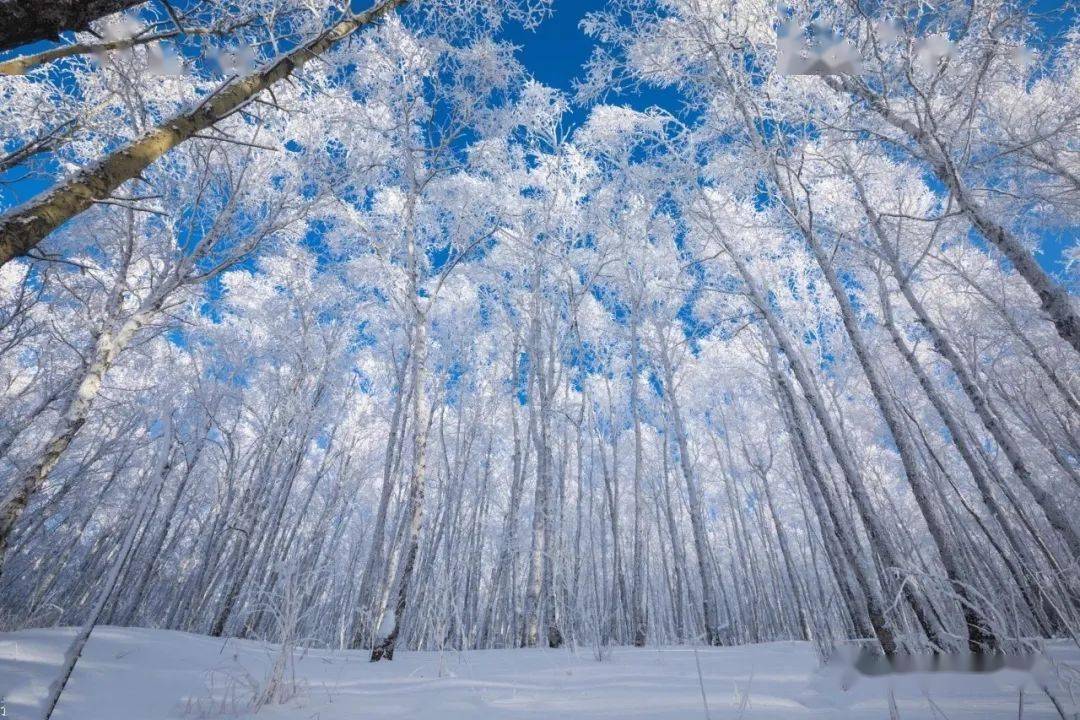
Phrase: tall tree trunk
[1049,504]
[74,651]
[108,346]
[838,538]
[980,636]
[697,515]
[152,556]
[25,226]
[418,349]
[535,583]
[785,550]
[833,437]
[385,648]
[637,599]
[1055,300]
[957,434]
[508,537]
[395,435]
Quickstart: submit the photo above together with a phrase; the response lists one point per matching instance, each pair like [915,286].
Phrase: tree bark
[838,538]
[25,226]
[108,346]
[697,515]
[27,21]
[1055,300]
[833,438]
[980,636]
[395,435]
[637,598]
[1050,506]
[74,651]
[385,648]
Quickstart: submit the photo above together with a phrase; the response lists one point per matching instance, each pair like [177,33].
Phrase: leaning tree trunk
[106,349]
[957,435]
[786,555]
[1059,383]
[127,616]
[836,535]
[74,651]
[1055,513]
[25,226]
[980,636]
[1055,300]
[812,393]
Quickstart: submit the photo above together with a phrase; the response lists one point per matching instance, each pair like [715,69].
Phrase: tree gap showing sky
[556,51]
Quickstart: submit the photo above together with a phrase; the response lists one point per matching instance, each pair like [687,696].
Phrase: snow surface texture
[139,674]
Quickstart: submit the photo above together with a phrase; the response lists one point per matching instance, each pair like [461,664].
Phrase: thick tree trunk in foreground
[26,21]
[25,226]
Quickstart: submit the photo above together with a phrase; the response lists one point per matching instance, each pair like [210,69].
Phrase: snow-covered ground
[138,674]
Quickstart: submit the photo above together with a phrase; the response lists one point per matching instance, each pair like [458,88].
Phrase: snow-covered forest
[329,326]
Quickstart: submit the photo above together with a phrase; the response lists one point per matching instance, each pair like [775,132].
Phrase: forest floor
[139,674]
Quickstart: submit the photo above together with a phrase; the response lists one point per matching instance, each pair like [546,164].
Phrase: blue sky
[555,51]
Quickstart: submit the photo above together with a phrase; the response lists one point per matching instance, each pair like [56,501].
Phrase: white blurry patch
[824,52]
[886,31]
[163,61]
[119,27]
[234,61]
[1023,56]
[387,625]
[931,50]
[115,28]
